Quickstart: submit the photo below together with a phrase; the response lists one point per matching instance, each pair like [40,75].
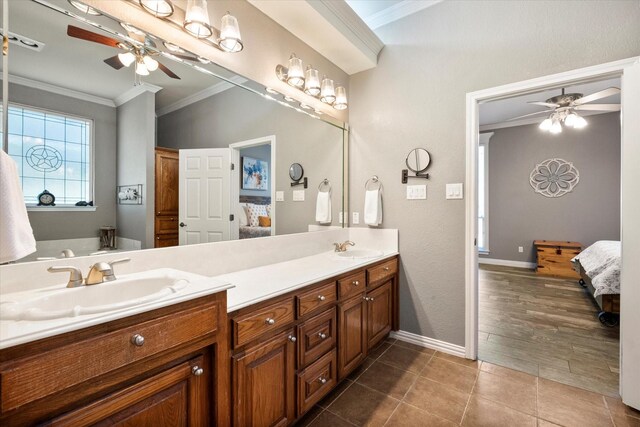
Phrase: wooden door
[379,313]
[176,397]
[264,384]
[352,334]
[166,198]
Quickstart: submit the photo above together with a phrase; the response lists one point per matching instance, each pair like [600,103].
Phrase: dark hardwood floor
[546,327]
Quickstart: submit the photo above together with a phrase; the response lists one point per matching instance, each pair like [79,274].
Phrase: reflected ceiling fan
[564,108]
[141,56]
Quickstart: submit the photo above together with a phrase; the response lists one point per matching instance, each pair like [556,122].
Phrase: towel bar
[375,180]
[324,182]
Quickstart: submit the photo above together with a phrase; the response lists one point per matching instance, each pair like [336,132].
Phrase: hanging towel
[16,234]
[323,207]
[373,208]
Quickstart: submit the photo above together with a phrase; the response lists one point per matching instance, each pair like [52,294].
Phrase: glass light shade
[312,82]
[150,63]
[84,8]
[556,127]
[341,99]
[570,119]
[158,8]
[327,92]
[579,122]
[196,20]
[141,69]
[546,124]
[295,75]
[126,58]
[230,40]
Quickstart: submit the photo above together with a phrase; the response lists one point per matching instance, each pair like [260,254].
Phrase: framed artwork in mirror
[255,174]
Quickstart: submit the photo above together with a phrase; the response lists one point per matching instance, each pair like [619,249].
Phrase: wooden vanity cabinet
[165,367]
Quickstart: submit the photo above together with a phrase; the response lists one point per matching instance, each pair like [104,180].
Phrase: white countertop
[261,283]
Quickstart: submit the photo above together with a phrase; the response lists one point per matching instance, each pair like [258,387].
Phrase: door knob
[182,224]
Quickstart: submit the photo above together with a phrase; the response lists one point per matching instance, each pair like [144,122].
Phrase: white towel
[16,234]
[323,207]
[373,208]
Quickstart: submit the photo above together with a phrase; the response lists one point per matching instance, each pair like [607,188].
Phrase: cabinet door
[167,168]
[379,313]
[352,334]
[166,240]
[176,397]
[264,384]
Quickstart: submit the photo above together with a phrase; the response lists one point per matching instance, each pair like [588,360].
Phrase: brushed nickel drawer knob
[322,380]
[386,269]
[322,297]
[370,298]
[137,340]
[355,283]
[322,336]
[197,371]
[292,338]
[269,321]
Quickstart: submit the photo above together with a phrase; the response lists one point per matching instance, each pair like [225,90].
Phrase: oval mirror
[296,172]
[418,160]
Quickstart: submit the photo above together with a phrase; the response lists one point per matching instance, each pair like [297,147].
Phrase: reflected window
[53,153]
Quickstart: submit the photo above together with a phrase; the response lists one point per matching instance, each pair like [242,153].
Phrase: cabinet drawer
[316,299]
[316,381]
[352,285]
[316,336]
[166,224]
[58,369]
[382,272]
[264,320]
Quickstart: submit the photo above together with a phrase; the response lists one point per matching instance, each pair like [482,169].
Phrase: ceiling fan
[564,108]
[142,55]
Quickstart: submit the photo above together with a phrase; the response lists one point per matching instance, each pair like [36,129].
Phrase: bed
[599,269]
[246,230]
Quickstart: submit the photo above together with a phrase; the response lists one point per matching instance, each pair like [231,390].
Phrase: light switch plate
[342,216]
[520,249]
[454,191]
[416,192]
[356,218]
[279,196]
[298,195]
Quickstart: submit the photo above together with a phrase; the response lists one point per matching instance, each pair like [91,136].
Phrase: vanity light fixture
[295,74]
[196,20]
[304,106]
[173,48]
[341,98]
[312,82]
[327,91]
[288,98]
[272,91]
[230,40]
[84,8]
[134,30]
[158,8]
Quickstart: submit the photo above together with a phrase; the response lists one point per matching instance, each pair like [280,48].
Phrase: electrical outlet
[520,249]
[356,218]
[279,196]
[298,195]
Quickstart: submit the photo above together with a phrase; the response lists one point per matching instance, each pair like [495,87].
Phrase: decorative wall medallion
[43,158]
[554,177]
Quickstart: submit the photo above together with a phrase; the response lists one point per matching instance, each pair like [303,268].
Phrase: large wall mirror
[183,152]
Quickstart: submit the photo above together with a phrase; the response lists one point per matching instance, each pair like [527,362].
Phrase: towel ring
[324,182]
[375,180]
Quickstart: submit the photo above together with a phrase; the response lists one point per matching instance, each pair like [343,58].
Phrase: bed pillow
[268,207]
[264,221]
[255,211]
[243,218]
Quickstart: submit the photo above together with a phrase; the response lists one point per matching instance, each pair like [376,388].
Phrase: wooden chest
[554,258]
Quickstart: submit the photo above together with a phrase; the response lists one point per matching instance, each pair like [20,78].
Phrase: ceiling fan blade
[167,71]
[598,107]
[545,104]
[114,62]
[598,95]
[532,114]
[80,33]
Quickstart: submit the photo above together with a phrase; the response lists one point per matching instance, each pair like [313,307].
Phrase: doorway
[629,73]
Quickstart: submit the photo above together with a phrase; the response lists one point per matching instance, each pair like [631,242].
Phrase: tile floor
[401,384]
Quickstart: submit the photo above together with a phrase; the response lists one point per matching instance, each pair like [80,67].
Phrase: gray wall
[72,225]
[416,97]
[518,215]
[261,152]
[136,165]
[238,115]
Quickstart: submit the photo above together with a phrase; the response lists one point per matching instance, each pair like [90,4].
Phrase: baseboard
[507,263]
[443,346]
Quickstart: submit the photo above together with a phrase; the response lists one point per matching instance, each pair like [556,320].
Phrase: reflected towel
[323,207]
[373,208]
[16,234]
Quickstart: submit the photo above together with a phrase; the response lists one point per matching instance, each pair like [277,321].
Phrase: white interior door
[204,208]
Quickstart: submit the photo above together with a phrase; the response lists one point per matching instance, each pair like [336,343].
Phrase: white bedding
[601,262]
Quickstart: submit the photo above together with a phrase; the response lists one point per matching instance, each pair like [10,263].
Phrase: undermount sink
[127,291]
[359,254]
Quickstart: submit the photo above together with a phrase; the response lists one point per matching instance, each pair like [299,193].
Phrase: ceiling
[500,111]
[376,13]
[78,65]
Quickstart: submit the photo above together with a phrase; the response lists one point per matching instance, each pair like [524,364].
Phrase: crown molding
[135,91]
[203,94]
[23,81]
[398,11]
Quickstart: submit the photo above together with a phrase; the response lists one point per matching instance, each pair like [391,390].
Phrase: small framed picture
[255,174]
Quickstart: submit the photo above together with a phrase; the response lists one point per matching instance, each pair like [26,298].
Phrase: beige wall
[416,97]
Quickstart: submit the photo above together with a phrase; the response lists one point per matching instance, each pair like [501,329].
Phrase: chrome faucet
[103,272]
[342,247]
[75,279]
[67,253]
